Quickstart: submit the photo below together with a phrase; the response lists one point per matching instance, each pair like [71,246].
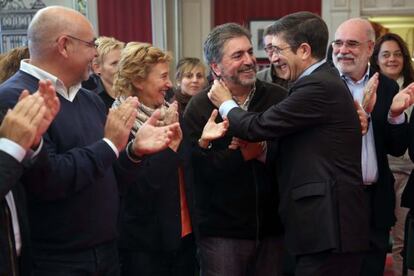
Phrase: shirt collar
[246,103]
[311,68]
[68,94]
[364,78]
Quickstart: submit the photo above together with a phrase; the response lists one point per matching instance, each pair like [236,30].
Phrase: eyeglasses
[271,49]
[350,44]
[91,44]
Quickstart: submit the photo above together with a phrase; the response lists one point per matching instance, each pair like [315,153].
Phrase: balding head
[48,24]
[358,26]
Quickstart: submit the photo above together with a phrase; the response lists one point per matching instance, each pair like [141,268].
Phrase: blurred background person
[277,72]
[190,79]
[10,62]
[104,67]
[392,58]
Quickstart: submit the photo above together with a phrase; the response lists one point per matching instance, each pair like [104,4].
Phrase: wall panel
[127,20]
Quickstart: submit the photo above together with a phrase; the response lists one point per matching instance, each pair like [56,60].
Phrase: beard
[238,80]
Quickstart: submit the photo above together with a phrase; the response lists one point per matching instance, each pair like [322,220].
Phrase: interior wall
[127,20]
[242,11]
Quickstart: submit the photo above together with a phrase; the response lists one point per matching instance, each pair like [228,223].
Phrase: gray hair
[214,43]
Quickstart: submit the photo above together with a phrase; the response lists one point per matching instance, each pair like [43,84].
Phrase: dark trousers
[100,260]
[408,251]
[240,257]
[180,262]
[373,262]
[328,264]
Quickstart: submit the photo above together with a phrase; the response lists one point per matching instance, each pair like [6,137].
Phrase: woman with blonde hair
[104,67]
[157,219]
[190,79]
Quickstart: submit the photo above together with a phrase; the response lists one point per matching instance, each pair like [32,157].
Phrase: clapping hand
[151,138]
[21,124]
[363,117]
[370,94]
[120,121]
[213,130]
[402,100]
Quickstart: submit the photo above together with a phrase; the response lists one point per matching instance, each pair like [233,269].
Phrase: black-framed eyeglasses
[350,44]
[91,44]
[272,49]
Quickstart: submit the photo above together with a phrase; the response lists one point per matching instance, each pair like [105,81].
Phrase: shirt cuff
[12,148]
[226,107]
[131,155]
[109,142]
[33,153]
[396,120]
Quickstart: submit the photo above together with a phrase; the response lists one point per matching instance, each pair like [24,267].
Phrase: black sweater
[234,198]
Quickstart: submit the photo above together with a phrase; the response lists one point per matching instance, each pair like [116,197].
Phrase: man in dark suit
[387,133]
[323,206]
[20,131]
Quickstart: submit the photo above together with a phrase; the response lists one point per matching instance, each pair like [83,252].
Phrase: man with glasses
[72,189]
[322,203]
[275,73]
[387,132]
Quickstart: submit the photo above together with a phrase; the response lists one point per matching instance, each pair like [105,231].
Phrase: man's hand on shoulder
[219,93]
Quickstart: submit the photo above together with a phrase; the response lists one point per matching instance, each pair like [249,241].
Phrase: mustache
[248,67]
[339,56]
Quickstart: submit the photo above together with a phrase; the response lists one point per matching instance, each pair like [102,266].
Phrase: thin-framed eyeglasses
[350,44]
[272,49]
[91,44]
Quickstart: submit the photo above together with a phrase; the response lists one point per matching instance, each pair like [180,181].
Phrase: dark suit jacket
[389,139]
[407,198]
[10,173]
[323,205]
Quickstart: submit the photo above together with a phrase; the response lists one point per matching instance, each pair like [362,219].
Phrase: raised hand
[212,130]
[402,100]
[120,121]
[47,91]
[21,124]
[363,117]
[370,94]
[171,114]
[219,93]
[151,138]
[176,138]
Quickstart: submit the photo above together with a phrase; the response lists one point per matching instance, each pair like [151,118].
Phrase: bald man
[387,133]
[73,194]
